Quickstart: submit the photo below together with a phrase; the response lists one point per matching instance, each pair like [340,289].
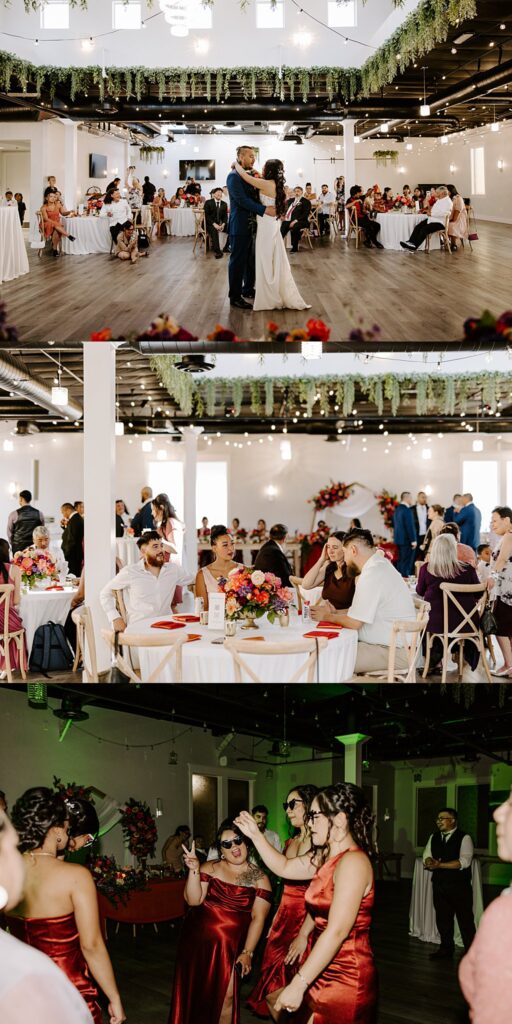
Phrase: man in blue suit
[244,207]
[469,521]
[405,535]
[143,519]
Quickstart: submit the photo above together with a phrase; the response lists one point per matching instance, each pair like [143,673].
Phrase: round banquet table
[397,227]
[182,220]
[13,254]
[207,662]
[127,550]
[163,900]
[422,918]
[40,606]
[91,235]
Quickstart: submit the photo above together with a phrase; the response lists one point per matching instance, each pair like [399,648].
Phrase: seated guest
[388,198]
[464,552]
[449,516]
[10,573]
[134,197]
[118,212]
[119,522]
[381,598]
[271,557]
[122,511]
[441,208]
[179,198]
[21,206]
[458,226]
[192,187]
[435,515]
[235,527]
[483,566]
[260,535]
[51,214]
[355,524]
[444,566]
[126,243]
[41,542]
[148,586]
[370,227]
[216,219]
[207,579]
[377,201]
[143,518]
[406,192]
[73,538]
[51,186]
[419,197]
[296,217]
[308,192]
[326,200]
[469,521]
[203,535]
[330,570]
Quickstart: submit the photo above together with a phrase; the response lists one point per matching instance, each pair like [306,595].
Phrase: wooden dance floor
[413,989]
[413,297]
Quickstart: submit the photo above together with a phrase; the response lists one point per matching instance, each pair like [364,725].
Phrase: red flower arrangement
[252,593]
[327,497]
[104,335]
[113,881]
[139,829]
[95,203]
[72,789]
[308,541]
[400,201]
[489,328]
[387,504]
[164,328]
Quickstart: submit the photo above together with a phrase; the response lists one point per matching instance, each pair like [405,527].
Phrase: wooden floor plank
[413,297]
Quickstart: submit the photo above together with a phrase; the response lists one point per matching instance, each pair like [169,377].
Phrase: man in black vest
[448,855]
[22,523]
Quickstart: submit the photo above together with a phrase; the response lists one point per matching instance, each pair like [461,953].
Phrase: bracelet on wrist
[302,978]
[247,952]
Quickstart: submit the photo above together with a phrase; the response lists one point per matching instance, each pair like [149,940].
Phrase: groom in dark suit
[296,217]
[244,207]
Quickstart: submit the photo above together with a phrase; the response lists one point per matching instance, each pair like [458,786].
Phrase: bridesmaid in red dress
[279,963]
[337,983]
[229,899]
[59,910]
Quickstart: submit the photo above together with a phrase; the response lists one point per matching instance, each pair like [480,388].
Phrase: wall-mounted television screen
[97,165]
[201,170]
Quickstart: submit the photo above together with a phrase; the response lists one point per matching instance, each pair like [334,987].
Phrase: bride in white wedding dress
[275,287]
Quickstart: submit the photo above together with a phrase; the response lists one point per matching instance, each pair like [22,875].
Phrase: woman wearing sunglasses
[229,900]
[336,983]
[282,952]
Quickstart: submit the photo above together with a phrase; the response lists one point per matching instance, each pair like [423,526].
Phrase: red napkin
[316,632]
[187,618]
[167,624]
[329,625]
[193,636]
[56,587]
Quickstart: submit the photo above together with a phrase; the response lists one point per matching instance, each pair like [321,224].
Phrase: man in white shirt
[420,516]
[381,598]
[325,198]
[148,586]
[118,212]
[448,855]
[260,815]
[442,207]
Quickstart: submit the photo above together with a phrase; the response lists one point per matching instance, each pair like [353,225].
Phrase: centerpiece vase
[250,620]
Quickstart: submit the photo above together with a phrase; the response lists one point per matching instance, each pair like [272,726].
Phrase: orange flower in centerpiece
[104,335]
[318,330]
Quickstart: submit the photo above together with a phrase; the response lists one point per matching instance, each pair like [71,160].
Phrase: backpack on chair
[50,650]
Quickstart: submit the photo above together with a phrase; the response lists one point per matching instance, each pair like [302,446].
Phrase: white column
[349,153]
[99,481]
[39,149]
[70,182]
[190,437]
[353,743]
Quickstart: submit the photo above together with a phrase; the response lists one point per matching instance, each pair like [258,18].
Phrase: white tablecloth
[204,662]
[397,227]
[91,235]
[13,254]
[422,918]
[40,606]
[127,550]
[182,219]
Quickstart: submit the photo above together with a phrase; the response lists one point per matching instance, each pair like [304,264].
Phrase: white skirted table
[91,235]
[422,918]
[397,227]
[207,662]
[40,606]
[13,254]
[127,550]
[182,220]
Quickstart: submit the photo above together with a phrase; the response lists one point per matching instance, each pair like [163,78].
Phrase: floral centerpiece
[139,829]
[193,200]
[164,328]
[113,881]
[488,328]
[252,594]
[387,504]
[400,201]
[241,533]
[70,790]
[329,496]
[94,205]
[37,568]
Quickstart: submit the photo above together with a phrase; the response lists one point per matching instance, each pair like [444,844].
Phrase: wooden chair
[202,237]
[353,226]
[468,628]
[305,236]
[333,222]
[296,582]
[310,647]
[422,607]
[314,222]
[47,241]
[172,643]
[443,236]
[411,634]
[7,635]
[85,644]
[417,567]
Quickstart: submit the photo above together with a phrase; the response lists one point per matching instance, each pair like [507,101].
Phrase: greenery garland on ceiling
[35,5]
[443,393]
[427,25]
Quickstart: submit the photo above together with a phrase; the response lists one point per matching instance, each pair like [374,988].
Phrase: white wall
[15,175]
[60,473]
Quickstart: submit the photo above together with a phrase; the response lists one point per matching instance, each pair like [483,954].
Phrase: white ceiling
[234,39]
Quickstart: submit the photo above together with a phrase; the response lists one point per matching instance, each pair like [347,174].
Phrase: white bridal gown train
[275,287]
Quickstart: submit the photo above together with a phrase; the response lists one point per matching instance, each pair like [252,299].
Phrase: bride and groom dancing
[259,269]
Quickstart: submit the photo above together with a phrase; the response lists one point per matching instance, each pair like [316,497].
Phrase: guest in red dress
[280,961]
[337,982]
[229,899]
[10,573]
[59,910]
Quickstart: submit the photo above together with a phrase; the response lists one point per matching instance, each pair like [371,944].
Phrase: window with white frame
[481,479]
[55,14]
[269,15]
[342,14]
[478,171]
[212,492]
[126,15]
[198,16]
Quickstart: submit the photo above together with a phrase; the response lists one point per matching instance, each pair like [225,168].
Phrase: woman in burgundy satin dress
[229,900]
[279,963]
[59,910]
[337,982]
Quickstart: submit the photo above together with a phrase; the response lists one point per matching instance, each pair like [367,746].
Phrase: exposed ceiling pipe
[15,377]
[499,75]
[377,129]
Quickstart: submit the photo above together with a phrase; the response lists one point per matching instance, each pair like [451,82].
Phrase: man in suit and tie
[469,521]
[420,516]
[405,534]
[143,518]
[244,207]
[216,219]
[449,515]
[296,217]
[271,557]
[448,855]
[73,538]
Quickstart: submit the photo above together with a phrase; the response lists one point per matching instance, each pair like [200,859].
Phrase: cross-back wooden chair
[7,635]
[85,644]
[135,641]
[467,629]
[311,647]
